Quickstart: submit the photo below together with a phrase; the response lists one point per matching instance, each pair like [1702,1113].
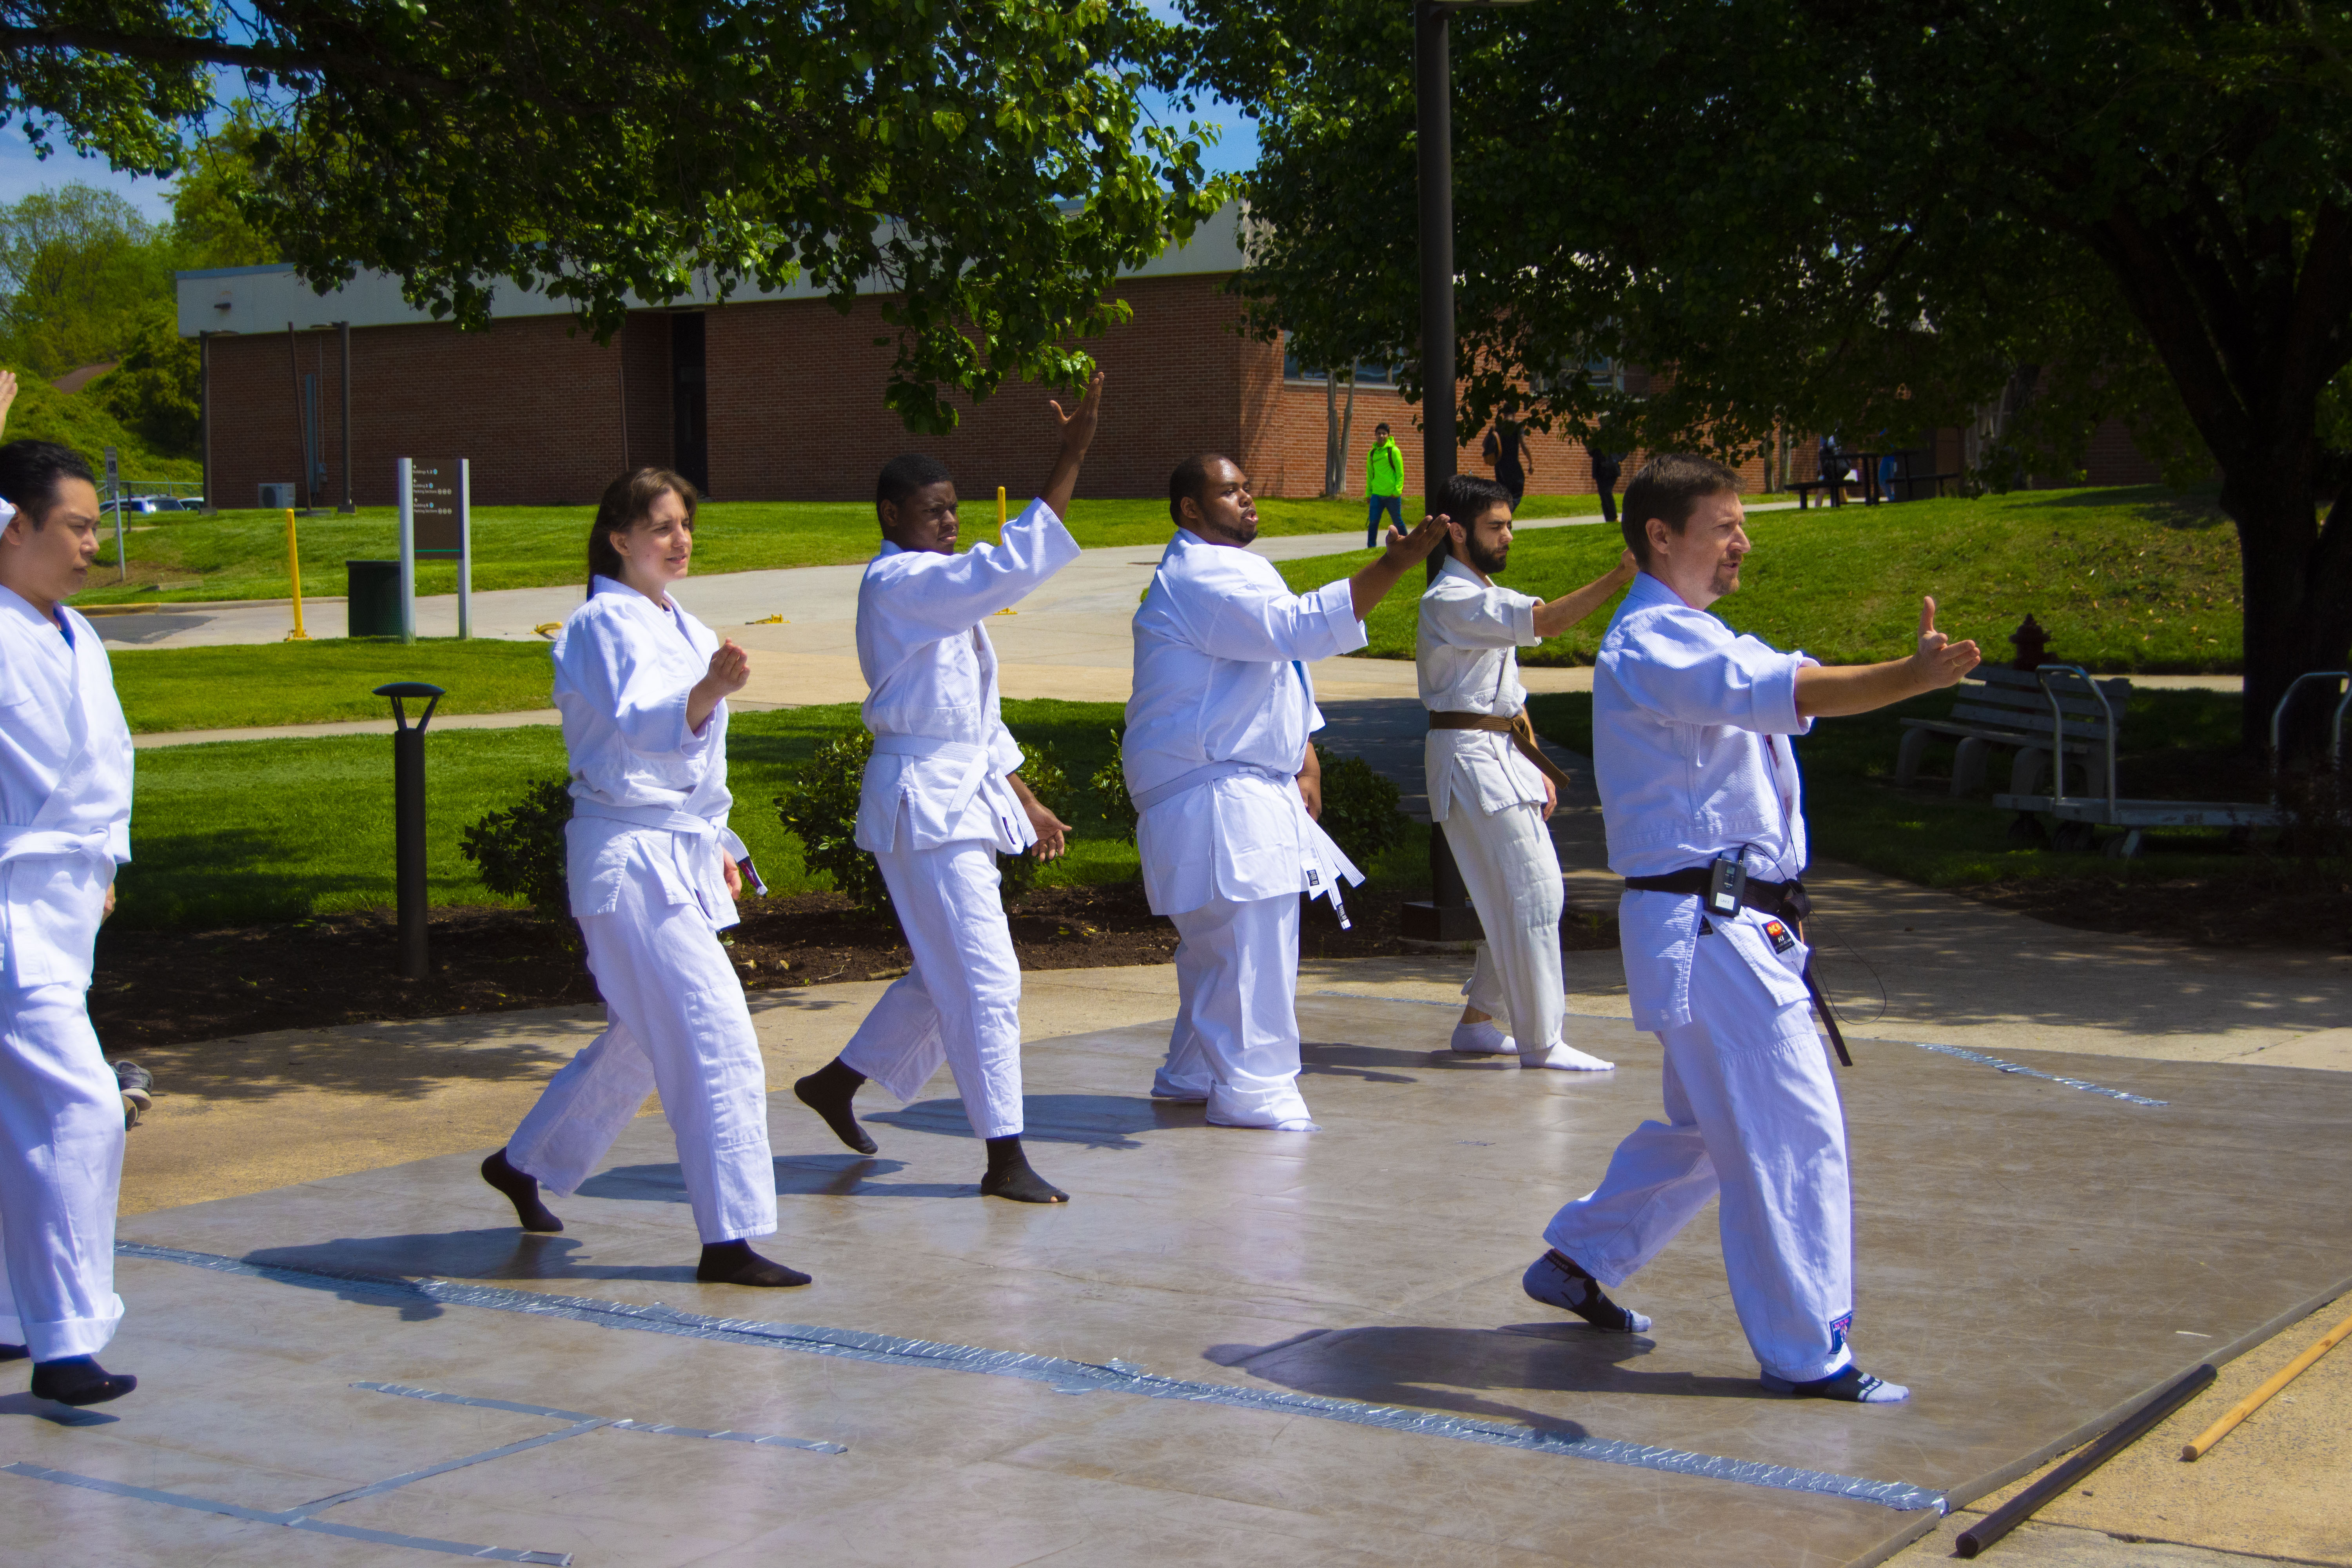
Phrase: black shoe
[78,1380]
[1558,1280]
[1853,1385]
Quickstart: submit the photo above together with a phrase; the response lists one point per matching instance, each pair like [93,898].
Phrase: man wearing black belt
[1489,786]
[1699,791]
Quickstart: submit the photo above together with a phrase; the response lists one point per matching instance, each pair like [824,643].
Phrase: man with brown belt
[1489,785]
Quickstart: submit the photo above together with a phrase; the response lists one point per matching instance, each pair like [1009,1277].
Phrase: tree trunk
[1334,456]
[2298,604]
[1347,435]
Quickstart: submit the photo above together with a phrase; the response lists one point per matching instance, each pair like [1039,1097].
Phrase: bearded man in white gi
[65,825]
[941,799]
[1691,728]
[1227,788]
[1489,788]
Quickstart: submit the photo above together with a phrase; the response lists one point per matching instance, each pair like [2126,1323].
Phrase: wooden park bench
[1999,706]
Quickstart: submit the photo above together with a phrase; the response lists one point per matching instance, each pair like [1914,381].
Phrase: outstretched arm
[1832,691]
[1077,431]
[1370,585]
[1564,612]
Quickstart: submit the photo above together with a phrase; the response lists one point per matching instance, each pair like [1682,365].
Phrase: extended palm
[1941,661]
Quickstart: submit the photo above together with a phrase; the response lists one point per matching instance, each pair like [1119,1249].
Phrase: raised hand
[1939,660]
[1406,549]
[8,395]
[731,666]
[1076,425]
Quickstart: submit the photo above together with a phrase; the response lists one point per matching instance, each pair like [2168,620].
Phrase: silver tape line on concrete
[1064,1376]
[1368,996]
[658,1429]
[302,1511]
[1995,1062]
[291,1521]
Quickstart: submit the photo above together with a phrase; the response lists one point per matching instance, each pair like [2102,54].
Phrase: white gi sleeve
[939,595]
[613,671]
[1683,674]
[1485,617]
[1254,623]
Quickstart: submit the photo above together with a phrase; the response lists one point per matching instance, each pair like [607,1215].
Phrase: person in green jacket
[1383,485]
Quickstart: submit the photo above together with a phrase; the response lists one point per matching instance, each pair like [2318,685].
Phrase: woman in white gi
[65,825]
[942,800]
[652,867]
[1491,800]
[1227,788]
[1691,750]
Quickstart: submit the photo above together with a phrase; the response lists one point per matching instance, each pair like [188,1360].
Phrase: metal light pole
[1447,917]
[408,819]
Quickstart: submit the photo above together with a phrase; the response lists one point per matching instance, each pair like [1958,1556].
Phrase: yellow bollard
[1000,510]
[294,570]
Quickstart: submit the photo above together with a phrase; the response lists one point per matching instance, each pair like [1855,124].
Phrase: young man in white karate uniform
[1691,730]
[1488,787]
[653,871]
[1227,788]
[65,825]
[942,799]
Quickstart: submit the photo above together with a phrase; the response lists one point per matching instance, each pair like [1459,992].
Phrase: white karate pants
[1752,1113]
[60,1171]
[1512,871]
[1235,1043]
[959,1002]
[675,1020]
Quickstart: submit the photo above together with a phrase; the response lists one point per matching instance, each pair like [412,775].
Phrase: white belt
[662,819]
[974,760]
[18,843]
[1320,855]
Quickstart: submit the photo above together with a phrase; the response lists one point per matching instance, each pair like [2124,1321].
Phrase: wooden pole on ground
[2205,1440]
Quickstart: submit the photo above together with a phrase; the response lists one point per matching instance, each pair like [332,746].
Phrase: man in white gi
[65,825]
[1700,796]
[1227,788]
[942,800]
[1489,788]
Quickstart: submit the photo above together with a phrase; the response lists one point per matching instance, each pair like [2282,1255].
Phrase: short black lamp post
[408,817]
[1447,917]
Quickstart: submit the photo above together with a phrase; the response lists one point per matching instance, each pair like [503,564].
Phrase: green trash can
[372,598]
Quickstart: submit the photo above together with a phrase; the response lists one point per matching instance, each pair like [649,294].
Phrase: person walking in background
[1383,485]
[65,825]
[1506,451]
[1606,467]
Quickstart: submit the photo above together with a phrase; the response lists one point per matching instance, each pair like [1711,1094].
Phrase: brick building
[763,397]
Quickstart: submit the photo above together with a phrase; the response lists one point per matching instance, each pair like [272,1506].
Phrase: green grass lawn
[247,832]
[179,556]
[318,682]
[2123,580]
[2176,745]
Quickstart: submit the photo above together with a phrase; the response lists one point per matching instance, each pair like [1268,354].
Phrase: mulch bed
[2303,907]
[159,989]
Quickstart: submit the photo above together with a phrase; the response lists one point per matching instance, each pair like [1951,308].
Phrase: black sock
[734,1263]
[828,1091]
[1009,1175]
[523,1191]
[78,1380]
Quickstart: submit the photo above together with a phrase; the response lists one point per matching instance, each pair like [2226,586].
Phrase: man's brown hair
[1669,488]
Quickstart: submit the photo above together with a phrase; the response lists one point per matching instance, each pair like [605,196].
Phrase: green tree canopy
[1867,218]
[987,161]
[79,270]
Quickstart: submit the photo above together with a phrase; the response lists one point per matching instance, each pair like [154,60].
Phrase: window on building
[1368,373]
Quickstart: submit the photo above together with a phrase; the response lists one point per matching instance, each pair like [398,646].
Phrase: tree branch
[178,49]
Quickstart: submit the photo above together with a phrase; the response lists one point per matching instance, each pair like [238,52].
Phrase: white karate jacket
[1691,751]
[941,747]
[647,791]
[1468,663]
[65,791]
[1221,650]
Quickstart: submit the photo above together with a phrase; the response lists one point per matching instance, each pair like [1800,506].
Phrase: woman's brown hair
[627,502]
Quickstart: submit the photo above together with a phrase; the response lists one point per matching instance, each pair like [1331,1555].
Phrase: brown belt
[1517,726]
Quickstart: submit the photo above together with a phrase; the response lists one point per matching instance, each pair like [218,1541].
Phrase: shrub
[1108,787]
[1359,807]
[1042,771]
[519,851]
[820,806]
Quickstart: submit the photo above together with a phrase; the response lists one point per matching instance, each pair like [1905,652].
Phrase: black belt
[1787,899]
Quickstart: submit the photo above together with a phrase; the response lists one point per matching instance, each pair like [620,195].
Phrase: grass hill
[42,412]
